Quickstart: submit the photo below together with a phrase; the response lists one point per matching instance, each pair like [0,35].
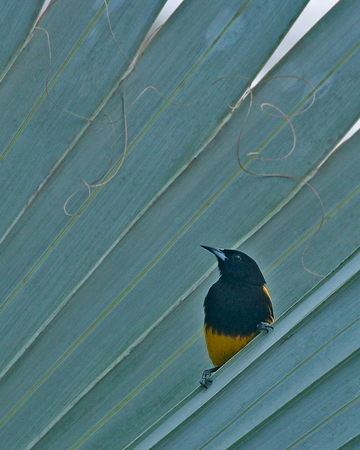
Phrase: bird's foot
[264,326]
[206,377]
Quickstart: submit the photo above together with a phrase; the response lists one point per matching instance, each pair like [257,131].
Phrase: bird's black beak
[218,252]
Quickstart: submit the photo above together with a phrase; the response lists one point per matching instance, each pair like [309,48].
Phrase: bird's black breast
[237,308]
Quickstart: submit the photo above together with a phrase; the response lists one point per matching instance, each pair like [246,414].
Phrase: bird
[237,308]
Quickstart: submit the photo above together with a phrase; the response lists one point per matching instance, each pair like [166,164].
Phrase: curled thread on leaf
[113,36]
[95,184]
[112,155]
[71,196]
[242,98]
[287,117]
[279,175]
[298,78]
[132,64]
[50,64]
[52,100]
[83,182]
[292,129]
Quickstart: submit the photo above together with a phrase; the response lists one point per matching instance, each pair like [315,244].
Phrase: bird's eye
[237,258]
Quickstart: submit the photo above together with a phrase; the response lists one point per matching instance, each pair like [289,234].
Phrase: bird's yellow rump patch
[221,347]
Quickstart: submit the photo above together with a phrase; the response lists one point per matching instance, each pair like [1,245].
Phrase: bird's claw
[264,326]
[206,379]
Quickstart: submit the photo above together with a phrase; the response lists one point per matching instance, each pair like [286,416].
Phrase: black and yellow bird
[237,307]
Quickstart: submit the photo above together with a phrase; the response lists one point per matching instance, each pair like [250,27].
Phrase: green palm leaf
[101,314]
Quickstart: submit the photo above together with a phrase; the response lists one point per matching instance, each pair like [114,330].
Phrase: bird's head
[237,265]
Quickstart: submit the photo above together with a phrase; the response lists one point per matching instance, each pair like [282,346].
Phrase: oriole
[237,307]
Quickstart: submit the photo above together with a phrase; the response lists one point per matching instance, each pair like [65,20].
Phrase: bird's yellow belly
[221,348]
